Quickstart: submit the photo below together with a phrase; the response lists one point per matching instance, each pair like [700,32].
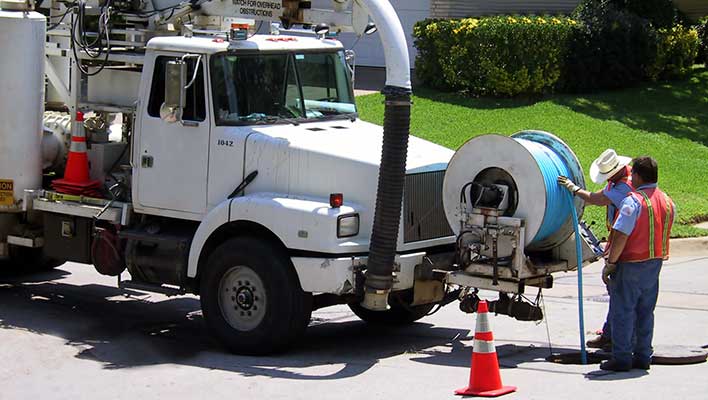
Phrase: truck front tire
[251,297]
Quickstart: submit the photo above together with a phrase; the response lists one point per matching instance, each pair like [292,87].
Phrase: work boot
[612,365]
[599,342]
[636,364]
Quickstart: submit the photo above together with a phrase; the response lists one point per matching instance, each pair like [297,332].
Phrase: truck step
[143,236]
[151,287]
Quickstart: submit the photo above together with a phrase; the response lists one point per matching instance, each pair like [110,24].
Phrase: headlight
[347,225]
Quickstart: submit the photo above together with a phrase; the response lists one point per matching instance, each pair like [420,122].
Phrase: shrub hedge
[611,48]
[503,55]
[702,30]
[676,52]
[432,40]
[661,13]
[603,46]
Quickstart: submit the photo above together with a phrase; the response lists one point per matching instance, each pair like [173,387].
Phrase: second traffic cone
[485,379]
[76,174]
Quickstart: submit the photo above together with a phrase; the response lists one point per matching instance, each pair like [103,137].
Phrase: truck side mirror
[350,59]
[175,93]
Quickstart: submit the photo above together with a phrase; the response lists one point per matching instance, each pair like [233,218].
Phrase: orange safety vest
[650,237]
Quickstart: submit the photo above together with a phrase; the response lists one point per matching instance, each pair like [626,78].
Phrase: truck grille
[423,208]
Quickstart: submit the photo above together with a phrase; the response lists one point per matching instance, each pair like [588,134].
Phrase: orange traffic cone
[76,174]
[485,380]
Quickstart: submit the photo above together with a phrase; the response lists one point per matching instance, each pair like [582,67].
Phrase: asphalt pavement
[72,334]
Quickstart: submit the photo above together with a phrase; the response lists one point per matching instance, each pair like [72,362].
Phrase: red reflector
[336,200]
[79,116]
[218,40]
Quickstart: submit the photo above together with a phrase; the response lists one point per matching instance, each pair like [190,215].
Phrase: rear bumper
[338,275]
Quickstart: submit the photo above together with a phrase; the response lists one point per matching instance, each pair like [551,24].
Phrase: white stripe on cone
[78,147]
[483,346]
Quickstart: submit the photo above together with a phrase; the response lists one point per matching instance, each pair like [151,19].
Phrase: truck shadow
[118,331]
[105,326]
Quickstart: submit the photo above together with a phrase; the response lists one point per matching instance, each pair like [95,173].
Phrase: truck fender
[300,223]
[217,217]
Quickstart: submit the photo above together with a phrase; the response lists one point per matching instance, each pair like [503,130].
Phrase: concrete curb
[363,92]
[689,247]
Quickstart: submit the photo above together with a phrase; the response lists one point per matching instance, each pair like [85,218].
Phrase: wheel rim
[242,298]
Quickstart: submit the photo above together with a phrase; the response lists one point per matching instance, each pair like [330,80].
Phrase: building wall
[466,8]
[368,49]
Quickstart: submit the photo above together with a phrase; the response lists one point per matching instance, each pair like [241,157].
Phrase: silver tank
[22,36]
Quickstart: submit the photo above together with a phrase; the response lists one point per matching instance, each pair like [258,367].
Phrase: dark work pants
[634,291]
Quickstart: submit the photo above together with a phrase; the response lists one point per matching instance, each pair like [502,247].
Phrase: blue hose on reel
[559,206]
[551,166]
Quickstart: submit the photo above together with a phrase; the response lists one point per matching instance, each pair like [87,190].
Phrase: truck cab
[281,107]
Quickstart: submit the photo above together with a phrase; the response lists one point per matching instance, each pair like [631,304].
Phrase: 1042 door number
[227,143]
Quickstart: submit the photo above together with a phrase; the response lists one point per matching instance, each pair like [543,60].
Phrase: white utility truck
[233,165]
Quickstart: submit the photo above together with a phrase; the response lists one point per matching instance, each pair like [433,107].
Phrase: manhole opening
[574,358]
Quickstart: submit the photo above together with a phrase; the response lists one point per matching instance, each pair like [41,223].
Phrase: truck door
[173,157]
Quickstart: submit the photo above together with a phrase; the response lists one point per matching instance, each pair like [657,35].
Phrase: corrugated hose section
[423,212]
[387,215]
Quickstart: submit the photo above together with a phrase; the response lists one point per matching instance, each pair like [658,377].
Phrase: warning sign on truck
[7,197]
[259,9]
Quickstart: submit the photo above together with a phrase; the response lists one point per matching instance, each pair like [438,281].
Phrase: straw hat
[608,164]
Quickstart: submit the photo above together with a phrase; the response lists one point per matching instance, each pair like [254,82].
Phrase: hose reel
[526,165]
[513,222]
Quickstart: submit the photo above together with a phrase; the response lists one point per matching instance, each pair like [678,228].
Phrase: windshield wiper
[338,115]
[255,117]
[269,119]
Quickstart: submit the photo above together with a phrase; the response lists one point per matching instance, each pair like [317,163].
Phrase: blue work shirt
[630,210]
[616,193]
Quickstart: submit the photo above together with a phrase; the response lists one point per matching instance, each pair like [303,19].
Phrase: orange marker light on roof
[336,200]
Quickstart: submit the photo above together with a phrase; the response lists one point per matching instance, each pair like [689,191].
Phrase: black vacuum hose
[387,216]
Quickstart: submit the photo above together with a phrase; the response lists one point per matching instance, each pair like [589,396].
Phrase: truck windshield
[272,88]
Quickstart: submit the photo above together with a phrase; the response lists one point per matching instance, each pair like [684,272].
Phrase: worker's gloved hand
[568,184]
[607,272]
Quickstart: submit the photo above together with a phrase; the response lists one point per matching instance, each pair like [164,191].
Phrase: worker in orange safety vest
[640,244]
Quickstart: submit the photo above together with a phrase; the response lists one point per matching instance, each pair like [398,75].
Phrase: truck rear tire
[400,313]
[252,299]
[30,260]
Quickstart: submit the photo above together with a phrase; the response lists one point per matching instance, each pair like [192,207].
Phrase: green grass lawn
[668,121]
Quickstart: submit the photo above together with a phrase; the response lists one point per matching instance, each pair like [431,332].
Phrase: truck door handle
[146,161]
